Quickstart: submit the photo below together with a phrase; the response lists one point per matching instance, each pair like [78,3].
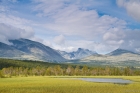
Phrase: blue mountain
[8,51]
[120,52]
[30,50]
[80,53]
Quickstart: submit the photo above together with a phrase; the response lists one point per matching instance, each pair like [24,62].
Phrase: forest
[9,68]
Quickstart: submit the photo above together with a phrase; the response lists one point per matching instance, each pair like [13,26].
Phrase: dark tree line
[57,70]
[5,63]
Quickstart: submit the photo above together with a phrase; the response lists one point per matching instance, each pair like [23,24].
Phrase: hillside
[116,58]
[120,52]
[8,51]
[119,58]
[25,49]
[80,53]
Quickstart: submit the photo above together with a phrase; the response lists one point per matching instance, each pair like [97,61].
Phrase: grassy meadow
[44,84]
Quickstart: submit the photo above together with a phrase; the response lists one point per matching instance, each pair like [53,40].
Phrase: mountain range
[25,49]
[118,58]
[120,52]
[8,51]
[80,53]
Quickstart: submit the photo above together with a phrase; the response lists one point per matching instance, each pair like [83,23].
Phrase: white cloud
[76,23]
[131,40]
[132,7]
[13,27]
[67,49]
[88,24]
[124,38]
[74,20]
[48,7]
[114,37]
[91,45]
[9,32]
[60,40]
[16,21]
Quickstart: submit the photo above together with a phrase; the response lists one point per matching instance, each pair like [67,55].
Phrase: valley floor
[65,84]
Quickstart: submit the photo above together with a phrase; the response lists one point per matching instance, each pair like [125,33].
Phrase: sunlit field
[65,85]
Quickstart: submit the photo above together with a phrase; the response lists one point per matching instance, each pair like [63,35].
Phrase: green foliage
[0,74]
[57,70]
[11,68]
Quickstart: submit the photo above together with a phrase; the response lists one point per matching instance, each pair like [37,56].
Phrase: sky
[97,25]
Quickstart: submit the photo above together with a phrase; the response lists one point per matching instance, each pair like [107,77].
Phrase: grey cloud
[16,21]
[131,40]
[124,38]
[114,34]
[88,24]
[49,7]
[132,7]
[60,40]
[13,27]
[132,37]
[9,32]
[75,20]
[114,37]
[70,19]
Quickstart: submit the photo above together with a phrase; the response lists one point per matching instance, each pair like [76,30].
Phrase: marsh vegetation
[43,84]
[38,77]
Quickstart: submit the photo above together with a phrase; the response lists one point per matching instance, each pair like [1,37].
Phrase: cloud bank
[98,32]
[132,7]
[9,32]
[13,26]
[70,24]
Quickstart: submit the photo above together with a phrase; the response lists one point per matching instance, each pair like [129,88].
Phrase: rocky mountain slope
[8,51]
[29,50]
[120,52]
[25,49]
[80,53]
[118,57]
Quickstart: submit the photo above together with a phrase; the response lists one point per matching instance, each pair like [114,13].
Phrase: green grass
[66,85]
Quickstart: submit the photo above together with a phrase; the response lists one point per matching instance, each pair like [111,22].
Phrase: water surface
[107,80]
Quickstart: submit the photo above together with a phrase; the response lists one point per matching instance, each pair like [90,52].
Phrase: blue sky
[98,25]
